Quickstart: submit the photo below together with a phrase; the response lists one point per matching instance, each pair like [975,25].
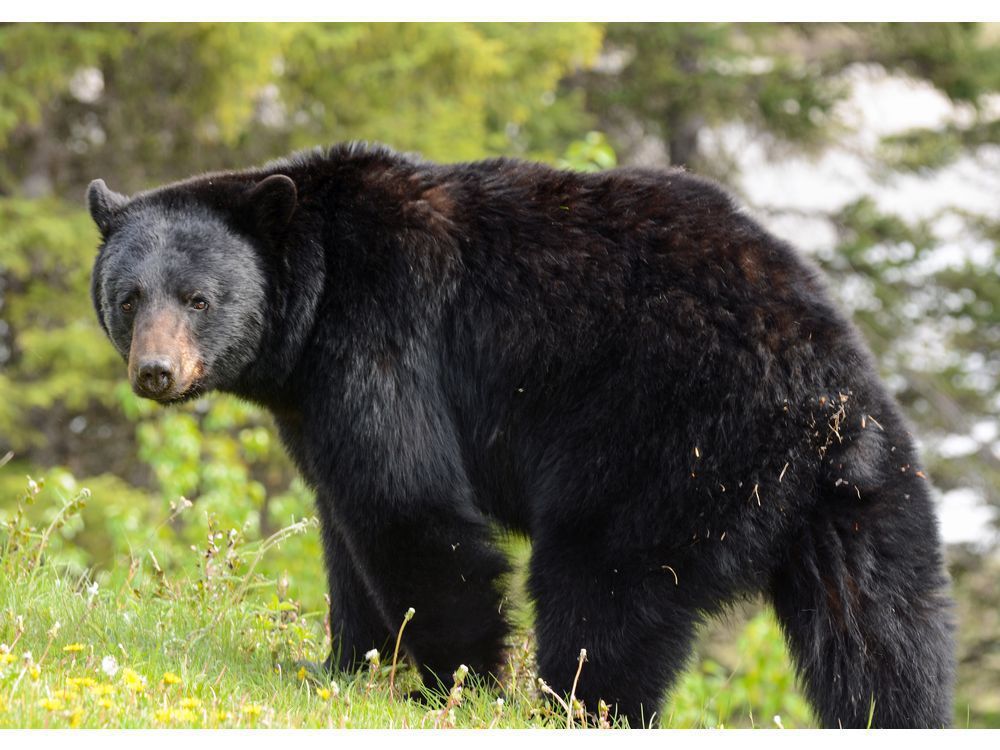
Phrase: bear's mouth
[191,393]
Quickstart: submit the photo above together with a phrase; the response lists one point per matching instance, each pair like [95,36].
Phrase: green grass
[216,644]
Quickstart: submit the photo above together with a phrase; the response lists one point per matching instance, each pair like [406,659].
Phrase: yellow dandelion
[73,648]
[169,678]
[133,680]
[51,704]
[102,689]
[105,704]
[163,715]
[190,703]
[62,695]
[253,710]
[323,693]
[34,672]
[81,682]
[185,715]
[222,716]
[7,658]
[301,674]
[76,718]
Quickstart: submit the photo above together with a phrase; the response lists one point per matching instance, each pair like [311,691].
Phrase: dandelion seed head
[109,666]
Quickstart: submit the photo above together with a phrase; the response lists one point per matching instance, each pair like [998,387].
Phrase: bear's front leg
[356,624]
[443,566]
[402,502]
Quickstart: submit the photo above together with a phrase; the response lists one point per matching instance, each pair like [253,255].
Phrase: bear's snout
[163,363]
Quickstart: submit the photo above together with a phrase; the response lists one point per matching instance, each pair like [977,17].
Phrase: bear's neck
[297,284]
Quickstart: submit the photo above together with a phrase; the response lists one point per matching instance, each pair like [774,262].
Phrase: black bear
[621,365]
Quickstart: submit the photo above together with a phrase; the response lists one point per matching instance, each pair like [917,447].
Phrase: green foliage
[58,357]
[592,154]
[955,57]
[676,79]
[30,77]
[927,149]
[171,99]
[759,688]
[450,91]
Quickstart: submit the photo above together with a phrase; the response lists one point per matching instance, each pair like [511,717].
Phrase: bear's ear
[104,204]
[273,201]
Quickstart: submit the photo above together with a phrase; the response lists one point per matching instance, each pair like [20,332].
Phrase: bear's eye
[128,306]
[199,303]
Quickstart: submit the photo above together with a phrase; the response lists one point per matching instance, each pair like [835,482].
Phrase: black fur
[621,365]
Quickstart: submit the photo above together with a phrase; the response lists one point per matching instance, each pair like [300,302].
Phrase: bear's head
[181,279]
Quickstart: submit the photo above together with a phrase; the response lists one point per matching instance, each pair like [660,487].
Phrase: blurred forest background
[874,148]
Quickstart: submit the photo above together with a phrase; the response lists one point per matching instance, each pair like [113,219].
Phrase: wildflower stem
[572,692]
[395,653]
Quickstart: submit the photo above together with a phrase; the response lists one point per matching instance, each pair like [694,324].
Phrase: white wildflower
[109,666]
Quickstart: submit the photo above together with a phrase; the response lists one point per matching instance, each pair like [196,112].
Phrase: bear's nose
[155,376]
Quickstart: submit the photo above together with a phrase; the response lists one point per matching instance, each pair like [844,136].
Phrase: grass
[219,645]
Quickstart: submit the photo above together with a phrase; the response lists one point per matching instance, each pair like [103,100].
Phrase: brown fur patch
[440,200]
[751,266]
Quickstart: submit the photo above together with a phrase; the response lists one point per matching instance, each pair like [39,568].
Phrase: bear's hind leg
[863,601]
[637,639]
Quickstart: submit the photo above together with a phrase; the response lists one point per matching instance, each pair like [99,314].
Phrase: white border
[502,10]
[497,739]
